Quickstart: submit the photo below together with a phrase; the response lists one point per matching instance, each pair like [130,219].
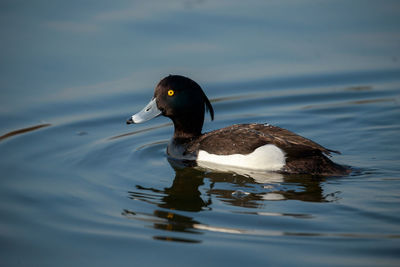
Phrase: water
[80,187]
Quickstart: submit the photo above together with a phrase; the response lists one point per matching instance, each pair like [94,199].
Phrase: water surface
[79,187]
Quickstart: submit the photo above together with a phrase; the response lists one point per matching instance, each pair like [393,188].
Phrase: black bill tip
[129,121]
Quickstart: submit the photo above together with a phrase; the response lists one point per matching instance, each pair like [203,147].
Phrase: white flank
[264,158]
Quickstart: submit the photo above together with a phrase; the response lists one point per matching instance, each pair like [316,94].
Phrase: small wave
[23,130]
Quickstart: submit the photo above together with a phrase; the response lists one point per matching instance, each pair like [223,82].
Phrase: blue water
[79,187]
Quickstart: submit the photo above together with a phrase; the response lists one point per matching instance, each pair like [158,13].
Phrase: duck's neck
[187,129]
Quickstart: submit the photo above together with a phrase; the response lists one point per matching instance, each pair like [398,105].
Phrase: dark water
[78,187]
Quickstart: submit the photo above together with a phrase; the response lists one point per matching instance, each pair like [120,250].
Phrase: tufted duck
[258,147]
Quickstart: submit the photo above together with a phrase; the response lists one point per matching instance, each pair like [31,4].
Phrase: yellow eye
[171,92]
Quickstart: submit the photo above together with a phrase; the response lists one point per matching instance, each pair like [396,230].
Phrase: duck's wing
[289,139]
[245,138]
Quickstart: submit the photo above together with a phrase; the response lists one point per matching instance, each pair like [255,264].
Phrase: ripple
[140,131]
[23,130]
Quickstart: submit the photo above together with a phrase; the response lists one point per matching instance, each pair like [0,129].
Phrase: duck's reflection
[184,194]
[194,190]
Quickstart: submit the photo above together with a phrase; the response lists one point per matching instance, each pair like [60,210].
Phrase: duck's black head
[183,101]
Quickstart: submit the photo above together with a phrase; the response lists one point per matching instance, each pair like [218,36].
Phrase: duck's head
[182,100]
